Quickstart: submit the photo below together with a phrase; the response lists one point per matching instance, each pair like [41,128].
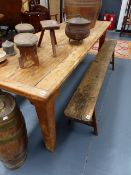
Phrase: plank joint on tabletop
[24,90]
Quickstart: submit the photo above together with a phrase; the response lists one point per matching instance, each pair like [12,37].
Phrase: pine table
[41,84]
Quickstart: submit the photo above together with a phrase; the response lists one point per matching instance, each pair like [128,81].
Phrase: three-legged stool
[50,25]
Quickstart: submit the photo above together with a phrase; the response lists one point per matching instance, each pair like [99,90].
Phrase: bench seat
[82,105]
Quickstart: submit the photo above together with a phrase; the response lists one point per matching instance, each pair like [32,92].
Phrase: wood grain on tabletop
[52,70]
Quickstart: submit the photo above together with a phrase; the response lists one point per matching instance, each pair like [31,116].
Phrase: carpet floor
[78,151]
[121,50]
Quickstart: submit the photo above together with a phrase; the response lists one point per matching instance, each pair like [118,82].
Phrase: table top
[38,83]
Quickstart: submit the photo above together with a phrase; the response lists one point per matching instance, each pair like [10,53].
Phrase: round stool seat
[24,28]
[25,39]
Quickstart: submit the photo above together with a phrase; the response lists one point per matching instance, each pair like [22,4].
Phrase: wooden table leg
[46,116]
[102,40]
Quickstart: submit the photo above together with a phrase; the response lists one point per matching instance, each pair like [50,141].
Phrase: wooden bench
[82,105]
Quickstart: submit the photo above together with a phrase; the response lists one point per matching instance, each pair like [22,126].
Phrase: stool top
[49,24]
[24,28]
[25,39]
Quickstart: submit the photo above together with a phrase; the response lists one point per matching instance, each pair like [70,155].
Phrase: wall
[111,6]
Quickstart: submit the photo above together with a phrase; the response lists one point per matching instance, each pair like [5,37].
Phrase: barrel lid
[78,20]
[7,105]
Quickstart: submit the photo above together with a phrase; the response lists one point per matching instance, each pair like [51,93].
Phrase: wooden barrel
[88,9]
[13,134]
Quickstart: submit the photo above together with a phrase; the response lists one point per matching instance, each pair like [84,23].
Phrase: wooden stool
[24,28]
[50,25]
[26,42]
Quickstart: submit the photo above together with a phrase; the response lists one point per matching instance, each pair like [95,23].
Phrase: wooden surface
[40,83]
[51,70]
[83,102]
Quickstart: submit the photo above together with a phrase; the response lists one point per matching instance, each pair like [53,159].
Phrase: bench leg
[69,122]
[113,61]
[94,123]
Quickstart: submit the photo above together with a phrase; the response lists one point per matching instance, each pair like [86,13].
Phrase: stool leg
[53,42]
[54,37]
[21,58]
[36,59]
[21,63]
[41,37]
